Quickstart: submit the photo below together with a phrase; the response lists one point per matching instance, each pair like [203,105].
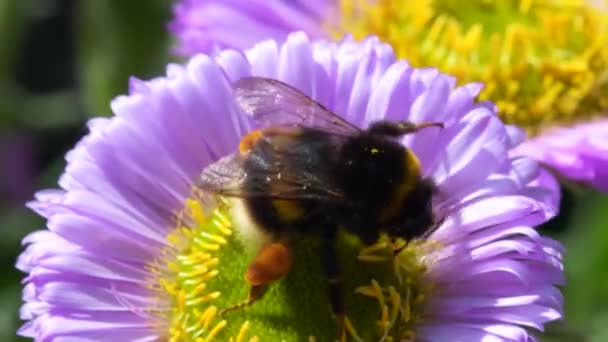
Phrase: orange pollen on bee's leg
[272,262]
[249,140]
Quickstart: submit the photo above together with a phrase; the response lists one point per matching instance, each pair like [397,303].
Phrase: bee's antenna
[423,125]
[397,129]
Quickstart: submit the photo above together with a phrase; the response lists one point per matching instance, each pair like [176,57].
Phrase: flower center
[201,271]
[186,270]
[402,300]
[543,63]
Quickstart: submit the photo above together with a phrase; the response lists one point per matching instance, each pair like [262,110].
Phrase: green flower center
[544,63]
[202,271]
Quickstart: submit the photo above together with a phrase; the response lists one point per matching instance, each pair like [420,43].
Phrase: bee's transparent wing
[225,177]
[273,103]
[278,172]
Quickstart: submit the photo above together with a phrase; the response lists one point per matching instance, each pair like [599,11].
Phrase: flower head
[135,251]
[543,63]
[203,25]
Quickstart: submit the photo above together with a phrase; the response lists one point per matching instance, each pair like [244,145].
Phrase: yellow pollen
[544,63]
[243,332]
[221,325]
[401,303]
[351,330]
[370,254]
[183,273]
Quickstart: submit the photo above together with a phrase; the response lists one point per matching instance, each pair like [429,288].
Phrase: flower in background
[17,158]
[203,25]
[578,152]
[544,63]
[133,251]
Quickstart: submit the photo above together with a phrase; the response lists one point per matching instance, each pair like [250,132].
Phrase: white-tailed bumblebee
[306,171]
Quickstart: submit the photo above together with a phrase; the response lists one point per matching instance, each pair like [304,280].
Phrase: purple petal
[202,25]
[579,153]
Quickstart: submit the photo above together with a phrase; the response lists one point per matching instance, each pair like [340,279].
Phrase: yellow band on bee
[411,165]
[288,210]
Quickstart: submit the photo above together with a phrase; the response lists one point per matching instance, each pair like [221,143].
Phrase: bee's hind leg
[331,267]
[272,263]
[256,292]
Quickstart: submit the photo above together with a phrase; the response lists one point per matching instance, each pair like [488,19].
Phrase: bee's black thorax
[380,176]
[371,168]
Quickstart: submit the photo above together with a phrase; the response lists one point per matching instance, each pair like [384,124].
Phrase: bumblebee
[306,171]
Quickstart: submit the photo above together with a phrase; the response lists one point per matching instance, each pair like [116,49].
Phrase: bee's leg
[398,250]
[435,226]
[397,129]
[331,267]
[272,262]
[424,235]
[256,292]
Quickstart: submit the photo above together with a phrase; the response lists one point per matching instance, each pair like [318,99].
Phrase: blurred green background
[62,61]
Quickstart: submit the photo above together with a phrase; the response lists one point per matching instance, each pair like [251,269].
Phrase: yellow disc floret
[544,63]
[186,269]
[402,300]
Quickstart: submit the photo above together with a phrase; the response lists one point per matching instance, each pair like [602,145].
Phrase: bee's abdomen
[400,193]
[302,152]
[279,216]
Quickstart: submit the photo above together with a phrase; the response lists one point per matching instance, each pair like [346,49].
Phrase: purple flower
[579,153]
[17,175]
[564,90]
[201,25]
[133,253]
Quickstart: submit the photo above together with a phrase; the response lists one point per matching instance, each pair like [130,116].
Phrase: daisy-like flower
[544,63]
[134,251]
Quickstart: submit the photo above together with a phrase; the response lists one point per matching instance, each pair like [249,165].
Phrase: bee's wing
[278,172]
[273,103]
[225,177]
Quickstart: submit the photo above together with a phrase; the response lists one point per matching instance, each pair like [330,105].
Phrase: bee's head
[417,216]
